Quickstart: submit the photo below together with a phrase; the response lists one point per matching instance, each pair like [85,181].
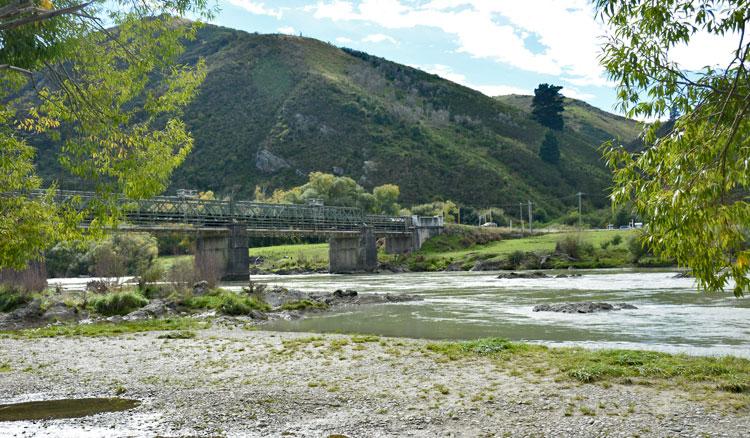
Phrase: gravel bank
[236,382]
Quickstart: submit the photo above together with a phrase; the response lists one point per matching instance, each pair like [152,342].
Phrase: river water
[672,315]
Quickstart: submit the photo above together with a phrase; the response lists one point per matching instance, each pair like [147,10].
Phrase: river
[672,315]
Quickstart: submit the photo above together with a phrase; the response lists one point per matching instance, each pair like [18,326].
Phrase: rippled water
[671,316]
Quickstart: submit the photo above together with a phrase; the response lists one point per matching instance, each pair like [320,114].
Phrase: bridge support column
[238,264]
[223,257]
[399,244]
[347,254]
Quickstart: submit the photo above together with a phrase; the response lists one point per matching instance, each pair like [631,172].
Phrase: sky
[494,46]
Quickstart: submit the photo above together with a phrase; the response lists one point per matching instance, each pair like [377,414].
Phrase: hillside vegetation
[274,108]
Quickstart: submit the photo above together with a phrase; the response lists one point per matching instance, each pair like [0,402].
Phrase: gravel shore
[237,382]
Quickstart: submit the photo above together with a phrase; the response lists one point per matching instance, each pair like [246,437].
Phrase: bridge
[223,228]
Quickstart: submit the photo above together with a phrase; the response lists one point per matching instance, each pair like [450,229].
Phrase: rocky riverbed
[233,382]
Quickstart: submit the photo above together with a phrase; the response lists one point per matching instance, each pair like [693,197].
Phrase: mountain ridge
[275,107]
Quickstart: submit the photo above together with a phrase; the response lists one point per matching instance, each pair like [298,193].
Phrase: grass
[728,375]
[166,262]
[118,303]
[226,302]
[107,329]
[291,257]
[182,334]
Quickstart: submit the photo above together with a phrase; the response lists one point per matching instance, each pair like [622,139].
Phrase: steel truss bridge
[175,213]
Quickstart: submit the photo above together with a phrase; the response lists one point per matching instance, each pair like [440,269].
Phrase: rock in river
[513,275]
[587,307]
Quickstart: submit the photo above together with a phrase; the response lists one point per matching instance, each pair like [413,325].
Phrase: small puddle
[64,408]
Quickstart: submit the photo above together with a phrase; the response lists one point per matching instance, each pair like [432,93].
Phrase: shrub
[182,275]
[516,258]
[616,240]
[637,248]
[303,305]
[226,302]
[120,303]
[11,298]
[574,247]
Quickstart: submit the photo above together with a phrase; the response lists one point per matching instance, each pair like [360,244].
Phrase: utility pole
[520,214]
[579,210]
[530,217]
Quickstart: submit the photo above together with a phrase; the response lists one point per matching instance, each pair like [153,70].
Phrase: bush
[11,298]
[226,302]
[516,258]
[182,275]
[637,248]
[616,240]
[120,303]
[573,247]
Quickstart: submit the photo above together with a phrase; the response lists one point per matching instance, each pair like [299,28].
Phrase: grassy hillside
[275,107]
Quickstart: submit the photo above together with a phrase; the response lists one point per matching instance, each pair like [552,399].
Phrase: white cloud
[379,38]
[289,30]
[570,49]
[344,40]
[257,8]
[575,93]
[705,50]
[447,72]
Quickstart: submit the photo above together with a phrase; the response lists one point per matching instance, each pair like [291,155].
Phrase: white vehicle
[489,224]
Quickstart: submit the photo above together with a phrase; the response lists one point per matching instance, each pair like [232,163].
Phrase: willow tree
[99,78]
[690,183]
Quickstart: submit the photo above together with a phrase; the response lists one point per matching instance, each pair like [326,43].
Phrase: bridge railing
[259,216]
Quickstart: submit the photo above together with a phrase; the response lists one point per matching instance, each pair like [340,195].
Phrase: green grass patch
[292,257]
[117,303]
[726,374]
[226,302]
[108,329]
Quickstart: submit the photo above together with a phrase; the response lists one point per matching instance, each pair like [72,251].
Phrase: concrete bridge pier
[403,244]
[353,253]
[222,256]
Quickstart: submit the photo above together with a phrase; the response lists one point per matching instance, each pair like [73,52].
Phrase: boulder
[33,310]
[60,312]
[154,309]
[585,307]
[279,296]
[488,265]
[515,275]
[200,288]
[267,162]
[349,293]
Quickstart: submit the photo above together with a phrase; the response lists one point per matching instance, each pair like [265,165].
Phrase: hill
[275,107]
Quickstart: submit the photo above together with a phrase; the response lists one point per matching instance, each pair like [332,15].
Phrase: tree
[549,151]
[691,183]
[339,191]
[386,199]
[547,106]
[65,76]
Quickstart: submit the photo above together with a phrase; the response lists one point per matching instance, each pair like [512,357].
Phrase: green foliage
[574,247]
[92,99]
[340,191]
[547,106]
[118,303]
[550,151]
[117,255]
[12,298]
[228,303]
[182,334]
[688,183]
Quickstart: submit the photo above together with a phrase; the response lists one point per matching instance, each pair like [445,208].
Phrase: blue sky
[495,46]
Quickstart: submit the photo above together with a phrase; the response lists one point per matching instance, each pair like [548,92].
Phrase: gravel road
[238,382]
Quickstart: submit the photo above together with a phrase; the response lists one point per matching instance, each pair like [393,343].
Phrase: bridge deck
[168,213]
